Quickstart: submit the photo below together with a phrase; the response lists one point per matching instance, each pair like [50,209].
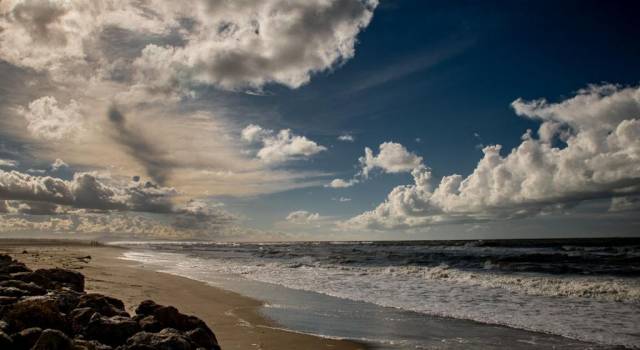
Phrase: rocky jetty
[48,309]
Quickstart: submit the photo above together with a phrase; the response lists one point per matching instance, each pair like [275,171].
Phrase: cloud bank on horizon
[588,148]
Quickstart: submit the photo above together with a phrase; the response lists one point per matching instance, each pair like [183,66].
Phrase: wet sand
[235,319]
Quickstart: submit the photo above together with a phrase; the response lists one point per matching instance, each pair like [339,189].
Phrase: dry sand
[235,319]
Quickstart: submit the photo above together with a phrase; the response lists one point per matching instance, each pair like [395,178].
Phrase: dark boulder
[13,292]
[14,267]
[7,300]
[170,317]
[55,278]
[62,277]
[203,338]
[34,312]
[66,299]
[166,339]
[52,339]
[5,341]
[82,344]
[105,305]
[147,307]
[79,318]
[30,287]
[110,330]
[149,324]
[26,338]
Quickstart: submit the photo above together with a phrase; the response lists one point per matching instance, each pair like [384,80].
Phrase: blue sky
[444,72]
[435,80]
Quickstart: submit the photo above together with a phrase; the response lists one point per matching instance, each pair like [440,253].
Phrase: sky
[319,119]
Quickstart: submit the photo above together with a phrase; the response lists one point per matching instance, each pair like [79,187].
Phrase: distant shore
[235,319]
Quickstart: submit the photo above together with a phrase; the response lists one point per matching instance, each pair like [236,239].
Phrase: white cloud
[600,158]
[280,147]
[628,203]
[249,44]
[343,199]
[346,138]
[392,158]
[86,190]
[254,133]
[58,164]
[340,183]
[9,163]
[49,121]
[302,217]
[230,44]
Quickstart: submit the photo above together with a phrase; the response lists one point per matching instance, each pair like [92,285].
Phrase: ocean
[519,294]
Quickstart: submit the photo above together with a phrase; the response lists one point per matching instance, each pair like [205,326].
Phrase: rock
[79,318]
[110,330]
[34,312]
[72,279]
[105,305]
[203,338]
[13,292]
[5,341]
[7,300]
[52,339]
[149,324]
[55,278]
[166,339]
[81,344]
[26,338]
[5,259]
[147,307]
[15,267]
[170,317]
[66,299]
[30,287]
[54,300]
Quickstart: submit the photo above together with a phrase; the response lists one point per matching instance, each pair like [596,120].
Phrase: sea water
[565,294]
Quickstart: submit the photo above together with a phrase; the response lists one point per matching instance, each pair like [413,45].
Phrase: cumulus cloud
[302,217]
[31,208]
[280,147]
[86,190]
[346,138]
[50,121]
[340,183]
[591,152]
[9,163]
[249,44]
[58,164]
[225,43]
[392,158]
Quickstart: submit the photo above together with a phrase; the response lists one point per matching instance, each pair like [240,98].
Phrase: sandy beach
[235,319]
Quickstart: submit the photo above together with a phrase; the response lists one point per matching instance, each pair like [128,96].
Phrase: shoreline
[235,319]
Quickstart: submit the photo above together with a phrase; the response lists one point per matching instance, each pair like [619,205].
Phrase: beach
[235,319]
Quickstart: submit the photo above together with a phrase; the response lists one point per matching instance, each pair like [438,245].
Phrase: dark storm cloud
[153,160]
